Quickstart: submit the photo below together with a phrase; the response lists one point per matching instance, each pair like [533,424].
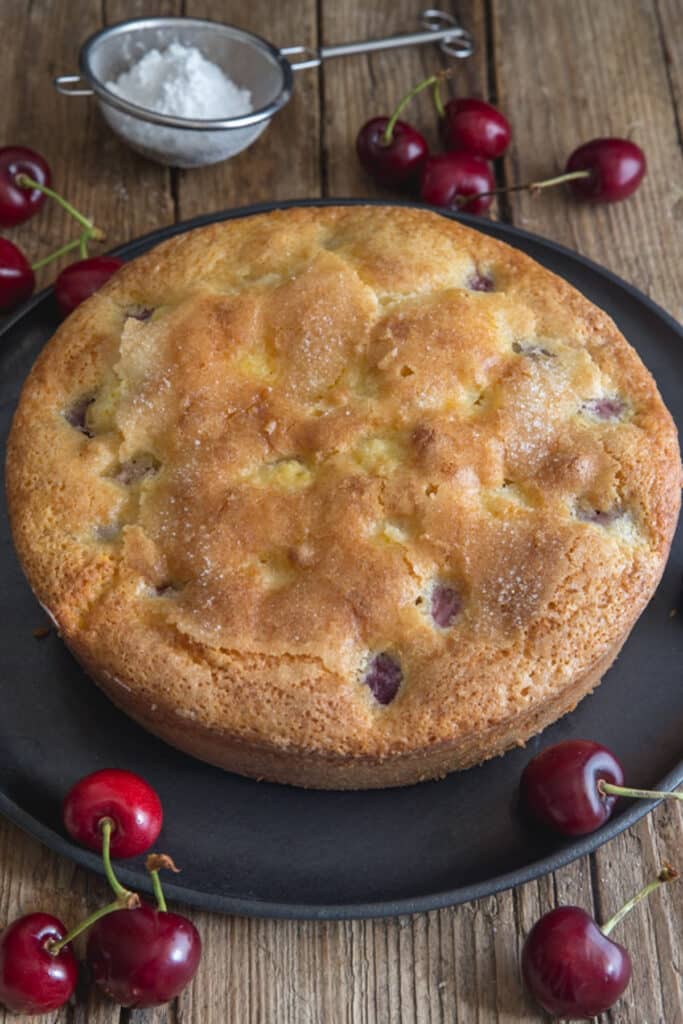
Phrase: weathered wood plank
[284,161]
[589,70]
[670,19]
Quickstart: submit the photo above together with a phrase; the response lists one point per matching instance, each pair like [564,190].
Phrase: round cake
[343,497]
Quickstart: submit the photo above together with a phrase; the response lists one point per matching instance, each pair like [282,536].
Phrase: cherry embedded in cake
[141,313]
[479,282]
[607,408]
[445,605]
[532,351]
[282,533]
[75,414]
[383,677]
[599,516]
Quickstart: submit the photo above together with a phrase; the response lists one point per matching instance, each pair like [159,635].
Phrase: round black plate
[254,848]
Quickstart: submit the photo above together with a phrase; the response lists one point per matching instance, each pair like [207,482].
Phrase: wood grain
[284,163]
[563,73]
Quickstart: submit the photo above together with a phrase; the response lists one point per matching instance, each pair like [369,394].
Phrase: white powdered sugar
[181,82]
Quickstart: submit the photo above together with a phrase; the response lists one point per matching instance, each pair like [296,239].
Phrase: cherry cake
[343,497]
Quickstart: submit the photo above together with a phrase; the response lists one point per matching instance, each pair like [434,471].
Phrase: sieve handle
[437,27]
[62,83]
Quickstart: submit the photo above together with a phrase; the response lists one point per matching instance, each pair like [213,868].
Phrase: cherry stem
[56,254]
[24,181]
[609,789]
[128,901]
[154,863]
[388,134]
[438,102]
[529,186]
[106,828]
[158,891]
[667,874]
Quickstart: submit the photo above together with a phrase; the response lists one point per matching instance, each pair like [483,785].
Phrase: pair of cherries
[139,955]
[25,178]
[569,963]
[474,132]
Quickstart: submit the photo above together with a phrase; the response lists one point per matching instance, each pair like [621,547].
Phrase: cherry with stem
[123,799]
[604,170]
[391,150]
[571,966]
[572,787]
[148,956]
[38,969]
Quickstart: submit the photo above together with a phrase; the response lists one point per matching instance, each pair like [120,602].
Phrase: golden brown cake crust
[273,449]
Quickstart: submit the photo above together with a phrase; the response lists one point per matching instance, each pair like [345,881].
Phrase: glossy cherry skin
[31,979]
[79,280]
[617,168]
[559,787]
[128,800]
[570,967]
[18,204]
[449,177]
[401,161]
[17,280]
[143,957]
[476,127]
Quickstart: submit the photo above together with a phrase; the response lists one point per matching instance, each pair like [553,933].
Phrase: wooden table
[564,73]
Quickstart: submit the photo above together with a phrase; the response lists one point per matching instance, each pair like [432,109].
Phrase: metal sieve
[250,61]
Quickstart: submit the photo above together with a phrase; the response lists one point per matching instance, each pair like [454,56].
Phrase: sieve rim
[141,113]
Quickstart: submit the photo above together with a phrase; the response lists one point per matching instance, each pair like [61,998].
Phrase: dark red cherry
[617,168]
[384,677]
[570,967]
[17,280]
[474,126]
[126,799]
[79,280]
[32,980]
[397,163]
[143,957]
[559,787]
[449,178]
[18,204]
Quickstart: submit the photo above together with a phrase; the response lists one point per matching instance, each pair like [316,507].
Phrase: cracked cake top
[350,480]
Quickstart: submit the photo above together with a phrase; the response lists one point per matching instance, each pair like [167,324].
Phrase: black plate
[254,848]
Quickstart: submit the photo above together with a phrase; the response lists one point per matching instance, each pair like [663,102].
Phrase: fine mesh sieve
[250,61]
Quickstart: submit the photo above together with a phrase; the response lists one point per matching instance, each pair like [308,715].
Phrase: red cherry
[570,967]
[125,798]
[32,980]
[617,168]
[396,163]
[17,280]
[143,957]
[79,280]
[476,127]
[559,787]
[18,204]
[448,178]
